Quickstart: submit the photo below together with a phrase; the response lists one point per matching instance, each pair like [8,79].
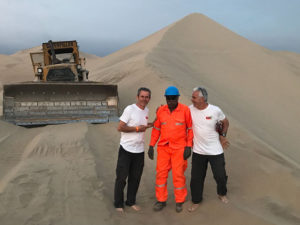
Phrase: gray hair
[202,92]
[143,89]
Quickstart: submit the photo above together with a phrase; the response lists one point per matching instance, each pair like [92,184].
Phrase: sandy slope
[58,178]
[17,67]
[55,181]
[65,174]
[252,84]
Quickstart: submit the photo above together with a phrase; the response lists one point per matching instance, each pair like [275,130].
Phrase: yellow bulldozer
[60,91]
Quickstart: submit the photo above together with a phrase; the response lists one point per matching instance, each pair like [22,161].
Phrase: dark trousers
[129,165]
[199,167]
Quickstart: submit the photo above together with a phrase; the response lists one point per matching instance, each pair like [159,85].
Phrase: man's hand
[142,128]
[151,152]
[219,127]
[124,128]
[187,152]
[149,125]
[224,142]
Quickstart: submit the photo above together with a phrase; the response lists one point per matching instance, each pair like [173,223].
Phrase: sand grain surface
[64,174]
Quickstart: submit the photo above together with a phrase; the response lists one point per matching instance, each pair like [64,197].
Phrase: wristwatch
[223,134]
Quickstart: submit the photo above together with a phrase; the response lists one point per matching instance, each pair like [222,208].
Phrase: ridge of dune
[26,52]
[199,33]
[126,59]
[241,76]
[17,67]
[292,59]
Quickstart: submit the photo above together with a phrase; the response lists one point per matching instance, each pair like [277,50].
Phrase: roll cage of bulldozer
[59,61]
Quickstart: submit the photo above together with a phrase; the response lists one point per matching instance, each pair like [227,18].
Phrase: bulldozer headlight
[40,70]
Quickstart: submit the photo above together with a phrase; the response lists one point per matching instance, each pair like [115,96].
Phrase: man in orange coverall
[173,128]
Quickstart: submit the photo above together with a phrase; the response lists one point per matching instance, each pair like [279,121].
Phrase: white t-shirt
[134,116]
[206,138]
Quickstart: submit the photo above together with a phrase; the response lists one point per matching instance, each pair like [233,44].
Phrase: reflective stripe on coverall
[174,131]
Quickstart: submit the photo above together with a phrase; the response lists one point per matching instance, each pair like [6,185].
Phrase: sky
[102,27]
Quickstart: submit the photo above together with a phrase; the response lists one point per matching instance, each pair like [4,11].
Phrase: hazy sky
[102,27]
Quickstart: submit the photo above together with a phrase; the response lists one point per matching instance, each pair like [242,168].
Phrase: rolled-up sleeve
[155,130]
[189,126]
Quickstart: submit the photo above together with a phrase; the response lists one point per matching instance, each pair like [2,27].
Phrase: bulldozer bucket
[38,103]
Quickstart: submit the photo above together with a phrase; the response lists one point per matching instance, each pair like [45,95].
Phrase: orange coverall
[174,131]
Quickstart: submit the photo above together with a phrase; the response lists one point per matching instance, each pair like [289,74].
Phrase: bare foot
[223,199]
[136,207]
[193,207]
[121,210]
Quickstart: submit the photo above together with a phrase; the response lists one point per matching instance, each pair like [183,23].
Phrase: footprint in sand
[19,179]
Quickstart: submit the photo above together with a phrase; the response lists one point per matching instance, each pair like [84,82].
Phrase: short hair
[202,91]
[143,89]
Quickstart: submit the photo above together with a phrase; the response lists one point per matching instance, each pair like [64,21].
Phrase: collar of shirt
[166,108]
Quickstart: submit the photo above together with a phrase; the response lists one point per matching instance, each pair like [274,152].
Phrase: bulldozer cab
[59,61]
[60,52]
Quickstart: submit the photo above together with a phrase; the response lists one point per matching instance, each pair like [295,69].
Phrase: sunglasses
[171,97]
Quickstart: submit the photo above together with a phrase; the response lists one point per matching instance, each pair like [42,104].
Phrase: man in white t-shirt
[208,144]
[132,125]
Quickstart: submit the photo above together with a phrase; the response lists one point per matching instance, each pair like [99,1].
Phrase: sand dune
[60,178]
[55,181]
[65,174]
[251,83]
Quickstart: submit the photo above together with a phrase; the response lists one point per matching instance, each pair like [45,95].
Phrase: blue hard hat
[172,90]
